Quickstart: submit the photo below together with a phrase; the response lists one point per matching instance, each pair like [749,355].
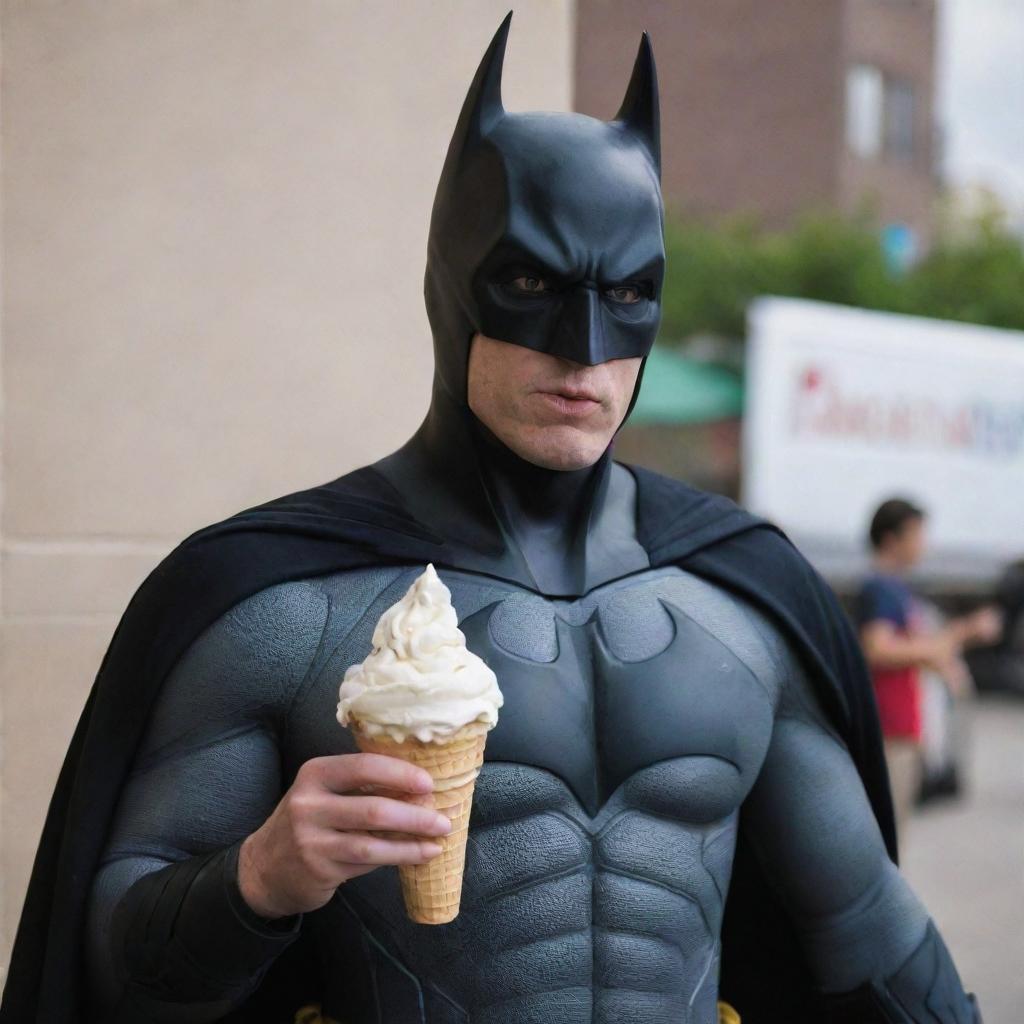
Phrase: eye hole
[530,284]
[625,293]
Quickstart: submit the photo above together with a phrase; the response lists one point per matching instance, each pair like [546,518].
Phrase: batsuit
[684,799]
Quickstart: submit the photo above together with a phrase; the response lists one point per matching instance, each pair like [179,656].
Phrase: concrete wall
[214,228]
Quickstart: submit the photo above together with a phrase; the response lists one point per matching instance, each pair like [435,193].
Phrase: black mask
[547,228]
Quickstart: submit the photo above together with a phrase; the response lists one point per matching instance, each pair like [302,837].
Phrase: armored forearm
[187,946]
[170,937]
[867,939]
[925,989]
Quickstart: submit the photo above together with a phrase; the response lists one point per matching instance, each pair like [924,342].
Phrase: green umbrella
[677,390]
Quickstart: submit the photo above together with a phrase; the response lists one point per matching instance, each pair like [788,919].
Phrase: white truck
[847,407]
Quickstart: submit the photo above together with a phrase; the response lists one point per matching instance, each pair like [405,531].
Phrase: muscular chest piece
[596,715]
[602,827]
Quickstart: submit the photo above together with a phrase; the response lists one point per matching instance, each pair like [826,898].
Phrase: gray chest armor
[603,825]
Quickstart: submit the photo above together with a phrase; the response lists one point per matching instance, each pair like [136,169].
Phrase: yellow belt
[312,1015]
[727,1015]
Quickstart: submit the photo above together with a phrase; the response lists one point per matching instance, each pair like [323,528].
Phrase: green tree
[974,271]
[975,275]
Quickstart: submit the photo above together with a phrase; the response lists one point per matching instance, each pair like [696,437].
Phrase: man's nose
[579,333]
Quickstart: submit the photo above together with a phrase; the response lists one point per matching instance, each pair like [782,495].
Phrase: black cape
[353,522]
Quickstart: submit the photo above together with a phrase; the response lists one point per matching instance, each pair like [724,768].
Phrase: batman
[684,801]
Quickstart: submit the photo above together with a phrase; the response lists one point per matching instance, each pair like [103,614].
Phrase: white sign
[848,407]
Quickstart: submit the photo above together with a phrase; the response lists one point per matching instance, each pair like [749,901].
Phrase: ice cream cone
[433,890]
[421,695]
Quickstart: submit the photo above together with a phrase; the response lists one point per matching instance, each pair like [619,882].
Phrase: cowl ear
[482,109]
[639,111]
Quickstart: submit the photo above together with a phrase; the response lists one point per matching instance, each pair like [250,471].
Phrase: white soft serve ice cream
[420,679]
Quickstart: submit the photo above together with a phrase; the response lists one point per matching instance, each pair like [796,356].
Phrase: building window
[865,105]
[899,119]
[879,114]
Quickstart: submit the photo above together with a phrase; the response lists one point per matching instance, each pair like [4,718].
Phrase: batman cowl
[573,203]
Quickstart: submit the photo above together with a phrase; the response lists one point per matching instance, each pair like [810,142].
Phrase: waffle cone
[432,891]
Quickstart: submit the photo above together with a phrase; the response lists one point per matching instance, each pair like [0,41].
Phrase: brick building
[776,108]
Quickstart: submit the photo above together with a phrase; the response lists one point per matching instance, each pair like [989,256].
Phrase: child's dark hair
[890,518]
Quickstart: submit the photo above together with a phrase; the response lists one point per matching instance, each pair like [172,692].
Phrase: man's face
[550,411]
[909,544]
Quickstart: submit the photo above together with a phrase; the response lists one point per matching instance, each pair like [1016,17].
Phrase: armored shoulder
[244,667]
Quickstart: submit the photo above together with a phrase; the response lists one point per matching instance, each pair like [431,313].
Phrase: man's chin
[561,448]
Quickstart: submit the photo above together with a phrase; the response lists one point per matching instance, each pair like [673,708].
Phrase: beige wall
[214,227]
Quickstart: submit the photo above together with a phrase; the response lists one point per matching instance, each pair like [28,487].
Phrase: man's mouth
[574,402]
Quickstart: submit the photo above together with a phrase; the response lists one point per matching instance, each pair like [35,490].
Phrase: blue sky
[981,94]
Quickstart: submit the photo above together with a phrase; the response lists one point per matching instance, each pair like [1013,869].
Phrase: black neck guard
[558,533]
